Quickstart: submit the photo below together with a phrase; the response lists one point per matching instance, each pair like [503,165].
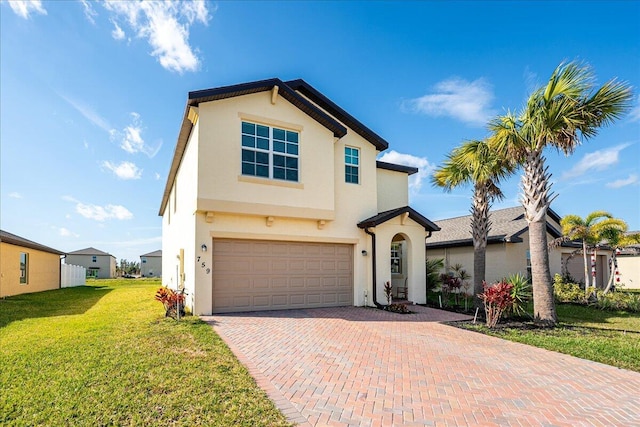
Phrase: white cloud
[117,32]
[165,25]
[125,170]
[103,213]
[24,8]
[89,12]
[466,101]
[597,161]
[100,213]
[131,139]
[630,180]
[88,113]
[157,176]
[65,232]
[424,167]
[15,195]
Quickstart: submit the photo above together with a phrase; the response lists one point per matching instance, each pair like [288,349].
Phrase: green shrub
[567,292]
[520,293]
[616,301]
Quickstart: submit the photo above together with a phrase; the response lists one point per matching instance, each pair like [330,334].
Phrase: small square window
[94,258]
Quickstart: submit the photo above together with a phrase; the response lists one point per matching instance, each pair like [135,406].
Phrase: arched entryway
[400,268]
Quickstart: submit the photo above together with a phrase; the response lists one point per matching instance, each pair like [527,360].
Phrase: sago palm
[591,230]
[560,114]
[475,163]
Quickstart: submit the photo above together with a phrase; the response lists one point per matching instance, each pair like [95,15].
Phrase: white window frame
[396,255]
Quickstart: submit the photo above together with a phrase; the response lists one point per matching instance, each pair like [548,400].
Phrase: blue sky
[92,96]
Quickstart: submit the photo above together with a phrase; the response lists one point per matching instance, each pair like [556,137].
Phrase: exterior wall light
[203,247]
[364,253]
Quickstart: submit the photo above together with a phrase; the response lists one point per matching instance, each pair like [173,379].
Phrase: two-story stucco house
[151,264]
[275,200]
[99,264]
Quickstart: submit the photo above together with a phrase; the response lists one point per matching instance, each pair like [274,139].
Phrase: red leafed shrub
[172,301]
[497,298]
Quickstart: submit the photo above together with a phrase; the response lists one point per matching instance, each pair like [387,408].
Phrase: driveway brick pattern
[353,366]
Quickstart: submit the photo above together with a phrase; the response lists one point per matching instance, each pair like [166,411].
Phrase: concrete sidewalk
[354,366]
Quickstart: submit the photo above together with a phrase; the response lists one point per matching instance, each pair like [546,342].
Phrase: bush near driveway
[105,354]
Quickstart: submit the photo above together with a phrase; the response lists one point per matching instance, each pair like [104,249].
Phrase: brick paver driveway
[365,367]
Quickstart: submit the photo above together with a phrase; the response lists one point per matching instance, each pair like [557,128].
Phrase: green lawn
[104,354]
[603,336]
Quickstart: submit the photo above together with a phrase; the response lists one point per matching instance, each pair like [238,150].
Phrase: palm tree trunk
[612,271]
[479,231]
[544,309]
[535,192]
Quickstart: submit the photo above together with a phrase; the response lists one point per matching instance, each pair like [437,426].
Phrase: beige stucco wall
[105,263]
[393,189]
[43,270]
[152,267]
[629,268]
[179,223]
[502,259]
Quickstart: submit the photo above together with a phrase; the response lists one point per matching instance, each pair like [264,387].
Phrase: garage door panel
[264,275]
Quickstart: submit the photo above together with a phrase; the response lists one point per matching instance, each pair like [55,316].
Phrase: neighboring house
[275,200]
[629,266]
[27,266]
[508,247]
[151,264]
[99,264]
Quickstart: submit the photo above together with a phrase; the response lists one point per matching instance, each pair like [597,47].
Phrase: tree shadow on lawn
[58,302]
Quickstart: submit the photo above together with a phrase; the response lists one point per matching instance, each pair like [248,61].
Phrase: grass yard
[607,337]
[104,355]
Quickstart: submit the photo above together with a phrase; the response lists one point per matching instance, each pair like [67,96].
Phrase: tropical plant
[388,291]
[560,114]
[172,301]
[590,231]
[434,266]
[475,163]
[520,293]
[497,299]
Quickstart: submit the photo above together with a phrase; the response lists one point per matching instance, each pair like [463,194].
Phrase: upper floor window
[94,258]
[24,268]
[351,165]
[144,260]
[269,152]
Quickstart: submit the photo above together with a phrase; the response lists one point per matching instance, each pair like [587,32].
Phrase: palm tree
[560,115]
[475,163]
[594,228]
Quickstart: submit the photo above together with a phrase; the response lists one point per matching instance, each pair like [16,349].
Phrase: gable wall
[105,263]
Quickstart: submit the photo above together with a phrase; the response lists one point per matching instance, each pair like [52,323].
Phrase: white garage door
[252,275]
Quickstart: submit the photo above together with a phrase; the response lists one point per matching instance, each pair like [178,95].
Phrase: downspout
[373,266]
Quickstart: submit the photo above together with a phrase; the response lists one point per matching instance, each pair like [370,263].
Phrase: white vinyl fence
[73,275]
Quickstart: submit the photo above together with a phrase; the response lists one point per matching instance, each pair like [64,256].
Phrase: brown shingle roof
[387,215]
[13,239]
